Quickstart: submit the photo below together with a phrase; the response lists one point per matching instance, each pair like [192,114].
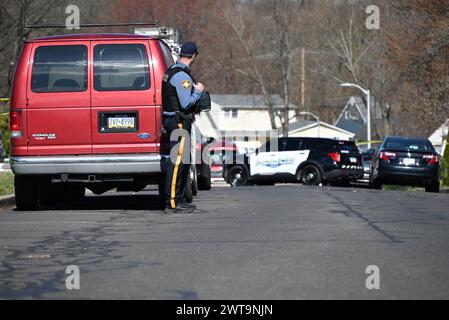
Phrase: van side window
[59,69]
[121,67]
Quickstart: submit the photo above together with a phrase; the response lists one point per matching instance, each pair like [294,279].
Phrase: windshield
[409,145]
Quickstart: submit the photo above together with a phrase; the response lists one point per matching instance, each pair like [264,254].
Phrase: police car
[311,161]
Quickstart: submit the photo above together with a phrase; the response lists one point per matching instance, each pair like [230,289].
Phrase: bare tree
[14,15]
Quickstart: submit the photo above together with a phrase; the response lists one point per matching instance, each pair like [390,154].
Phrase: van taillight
[15,124]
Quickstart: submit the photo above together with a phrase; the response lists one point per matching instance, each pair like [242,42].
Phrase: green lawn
[6,183]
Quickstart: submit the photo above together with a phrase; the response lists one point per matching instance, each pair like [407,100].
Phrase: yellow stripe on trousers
[175,172]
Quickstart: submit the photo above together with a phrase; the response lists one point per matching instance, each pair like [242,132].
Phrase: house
[319,130]
[243,119]
[353,118]
[439,137]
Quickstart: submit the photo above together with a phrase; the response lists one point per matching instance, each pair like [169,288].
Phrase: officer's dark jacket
[178,91]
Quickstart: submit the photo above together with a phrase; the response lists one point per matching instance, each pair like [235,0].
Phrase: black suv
[312,161]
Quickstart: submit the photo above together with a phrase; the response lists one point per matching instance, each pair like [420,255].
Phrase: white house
[439,137]
[320,130]
[243,119]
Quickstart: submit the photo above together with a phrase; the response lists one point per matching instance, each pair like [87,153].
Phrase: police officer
[180,94]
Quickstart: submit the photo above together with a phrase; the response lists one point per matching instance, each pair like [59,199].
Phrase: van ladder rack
[91,25]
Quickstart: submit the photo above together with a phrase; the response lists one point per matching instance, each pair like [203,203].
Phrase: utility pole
[303,80]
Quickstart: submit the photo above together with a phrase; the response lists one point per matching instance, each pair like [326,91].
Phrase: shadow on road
[111,202]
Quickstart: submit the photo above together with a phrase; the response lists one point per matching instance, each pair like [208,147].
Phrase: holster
[186,120]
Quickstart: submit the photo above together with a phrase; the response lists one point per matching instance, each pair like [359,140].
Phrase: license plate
[409,161]
[353,160]
[121,123]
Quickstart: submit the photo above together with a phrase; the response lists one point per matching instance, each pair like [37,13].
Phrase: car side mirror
[210,140]
[371,152]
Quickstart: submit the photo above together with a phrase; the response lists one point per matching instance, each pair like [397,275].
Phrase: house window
[352,115]
[231,114]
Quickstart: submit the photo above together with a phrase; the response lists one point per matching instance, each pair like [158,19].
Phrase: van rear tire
[49,194]
[189,192]
[194,181]
[26,193]
[162,198]
[205,180]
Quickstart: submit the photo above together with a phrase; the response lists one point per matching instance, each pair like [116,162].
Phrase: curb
[7,201]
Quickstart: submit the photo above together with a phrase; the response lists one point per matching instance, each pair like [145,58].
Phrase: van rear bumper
[86,164]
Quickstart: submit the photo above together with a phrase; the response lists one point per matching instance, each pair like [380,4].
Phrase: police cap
[189,49]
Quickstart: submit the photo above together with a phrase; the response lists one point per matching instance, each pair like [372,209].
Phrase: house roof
[323,124]
[247,102]
[301,123]
[353,118]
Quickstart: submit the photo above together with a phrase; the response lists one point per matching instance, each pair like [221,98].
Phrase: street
[283,242]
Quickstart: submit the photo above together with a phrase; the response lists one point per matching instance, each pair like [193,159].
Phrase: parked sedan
[407,162]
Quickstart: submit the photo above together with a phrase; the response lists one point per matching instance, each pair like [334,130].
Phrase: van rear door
[58,99]
[123,98]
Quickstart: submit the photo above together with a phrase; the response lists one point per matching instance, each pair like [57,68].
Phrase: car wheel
[26,192]
[376,184]
[310,176]
[237,177]
[194,177]
[433,188]
[204,181]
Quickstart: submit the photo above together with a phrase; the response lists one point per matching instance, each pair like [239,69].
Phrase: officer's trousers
[178,165]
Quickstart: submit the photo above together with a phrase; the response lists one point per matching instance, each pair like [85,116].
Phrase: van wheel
[433,188]
[310,175]
[49,194]
[204,181]
[237,177]
[26,192]
[194,181]
[162,199]
[189,193]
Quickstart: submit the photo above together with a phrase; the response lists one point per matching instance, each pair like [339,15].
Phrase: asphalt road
[283,242]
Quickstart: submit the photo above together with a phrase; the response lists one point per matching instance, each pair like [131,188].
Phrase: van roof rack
[92,25]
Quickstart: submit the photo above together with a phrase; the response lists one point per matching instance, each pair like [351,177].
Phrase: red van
[86,113]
